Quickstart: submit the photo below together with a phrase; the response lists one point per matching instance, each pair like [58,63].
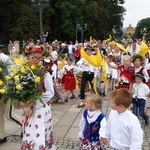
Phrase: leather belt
[124,83]
[88,72]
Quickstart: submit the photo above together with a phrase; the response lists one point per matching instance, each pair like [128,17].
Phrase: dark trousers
[139,104]
[85,78]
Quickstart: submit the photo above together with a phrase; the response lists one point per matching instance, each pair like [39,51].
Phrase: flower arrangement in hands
[24,87]
[2,79]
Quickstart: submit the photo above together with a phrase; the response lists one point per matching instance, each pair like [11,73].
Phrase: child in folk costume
[140,92]
[47,63]
[68,79]
[92,124]
[138,66]
[112,74]
[126,71]
[38,127]
[60,64]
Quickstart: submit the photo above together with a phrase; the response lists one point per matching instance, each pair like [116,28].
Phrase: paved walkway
[66,119]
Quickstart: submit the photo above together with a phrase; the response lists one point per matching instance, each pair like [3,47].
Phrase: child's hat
[139,74]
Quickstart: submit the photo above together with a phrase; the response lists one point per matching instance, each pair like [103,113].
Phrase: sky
[136,10]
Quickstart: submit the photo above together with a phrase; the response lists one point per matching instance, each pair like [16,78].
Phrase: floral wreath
[34,49]
[137,56]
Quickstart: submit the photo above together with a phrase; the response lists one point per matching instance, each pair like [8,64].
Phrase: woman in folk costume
[47,63]
[37,127]
[126,71]
[51,62]
[68,79]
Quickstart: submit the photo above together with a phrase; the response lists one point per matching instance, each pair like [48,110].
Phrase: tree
[144,23]
[19,20]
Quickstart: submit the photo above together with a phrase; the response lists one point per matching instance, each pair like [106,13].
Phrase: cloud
[136,10]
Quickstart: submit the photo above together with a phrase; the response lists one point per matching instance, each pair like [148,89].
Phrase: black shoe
[66,100]
[100,93]
[103,94]
[147,121]
[3,140]
[72,97]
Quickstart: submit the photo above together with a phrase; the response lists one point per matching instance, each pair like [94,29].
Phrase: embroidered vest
[91,131]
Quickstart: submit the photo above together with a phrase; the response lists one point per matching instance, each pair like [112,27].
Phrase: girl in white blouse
[92,124]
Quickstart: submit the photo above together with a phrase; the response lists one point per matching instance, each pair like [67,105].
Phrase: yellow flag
[90,40]
[109,39]
[60,67]
[94,60]
[143,49]
[19,61]
[121,47]
[103,75]
[112,42]
[95,85]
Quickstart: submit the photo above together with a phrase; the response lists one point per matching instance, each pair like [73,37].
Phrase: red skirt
[69,82]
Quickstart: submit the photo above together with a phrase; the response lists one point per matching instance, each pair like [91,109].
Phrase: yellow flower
[14,70]
[40,64]
[2,91]
[33,67]
[16,78]
[7,78]
[18,87]
[22,69]
[1,69]
[37,79]
[1,82]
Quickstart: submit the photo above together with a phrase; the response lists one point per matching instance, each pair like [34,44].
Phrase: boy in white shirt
[140,91]
[123,128]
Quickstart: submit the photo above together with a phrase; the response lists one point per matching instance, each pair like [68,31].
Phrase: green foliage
[2,72]
[144,23]
[21,21]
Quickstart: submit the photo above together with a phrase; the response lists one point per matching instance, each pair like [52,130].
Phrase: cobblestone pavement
[66,118]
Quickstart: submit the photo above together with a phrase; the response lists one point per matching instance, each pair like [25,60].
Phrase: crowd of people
[126,73]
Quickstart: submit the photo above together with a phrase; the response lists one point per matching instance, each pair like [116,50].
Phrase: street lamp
[82,29]
[144,32]
[114,32]
[40,7]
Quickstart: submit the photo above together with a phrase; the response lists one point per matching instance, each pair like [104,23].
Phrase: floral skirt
[58,94]
[88,145]
[38,130]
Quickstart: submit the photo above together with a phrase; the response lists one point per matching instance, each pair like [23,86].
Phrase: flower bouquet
[25,86]
[2,79]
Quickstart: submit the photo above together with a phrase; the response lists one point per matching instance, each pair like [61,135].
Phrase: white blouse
[93,116]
